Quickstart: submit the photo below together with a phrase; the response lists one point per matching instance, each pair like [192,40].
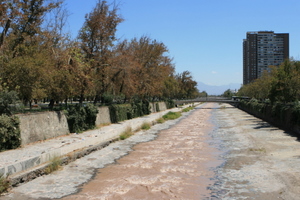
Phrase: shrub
[107,98]
[296,113]
[170,104]
[10,136]
[157,107]
[81,118]
[7,99]
[120,112]
[91,115]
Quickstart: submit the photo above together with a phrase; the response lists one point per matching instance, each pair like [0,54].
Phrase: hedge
[81,118]
[121,112]
[10,135]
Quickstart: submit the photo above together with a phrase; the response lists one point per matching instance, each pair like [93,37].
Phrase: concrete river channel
[215,151]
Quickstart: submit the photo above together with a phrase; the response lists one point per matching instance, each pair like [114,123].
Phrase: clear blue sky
[203,36]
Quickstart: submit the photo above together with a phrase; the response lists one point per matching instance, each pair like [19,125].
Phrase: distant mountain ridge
[217,90]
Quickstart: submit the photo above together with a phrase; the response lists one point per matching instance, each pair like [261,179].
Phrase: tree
[187,86]
[97,38]
[23,52]
[228,93]
[152,68]
[286,84]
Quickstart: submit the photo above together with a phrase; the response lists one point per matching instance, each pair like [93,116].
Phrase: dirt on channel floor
[215,152]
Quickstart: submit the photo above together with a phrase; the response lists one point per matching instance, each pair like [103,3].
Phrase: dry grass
[126,134]
[4,183]
[55,164]
[146,126]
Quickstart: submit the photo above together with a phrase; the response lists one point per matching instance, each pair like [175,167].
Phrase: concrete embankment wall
[46,125]
[41,126]
[284,122]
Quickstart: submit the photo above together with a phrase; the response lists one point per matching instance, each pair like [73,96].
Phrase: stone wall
[103,116]
[45,125]
[41,126]
[283,122]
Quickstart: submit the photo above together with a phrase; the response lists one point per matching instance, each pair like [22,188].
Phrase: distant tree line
[39,60]
[282,84]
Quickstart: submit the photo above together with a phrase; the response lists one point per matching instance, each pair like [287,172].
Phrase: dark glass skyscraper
[262,49]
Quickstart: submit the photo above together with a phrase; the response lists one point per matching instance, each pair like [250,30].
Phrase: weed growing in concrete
[171,115]
[160,120]
[187,109]
[54,165]
[126,134]
[4,183]
[145,126]
[263,150]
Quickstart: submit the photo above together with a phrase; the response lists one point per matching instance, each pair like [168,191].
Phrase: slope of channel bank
[29,162]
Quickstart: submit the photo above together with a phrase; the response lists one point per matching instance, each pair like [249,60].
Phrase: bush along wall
[121,112]
[10,136]
[81,118]
[286,116]
[170,103]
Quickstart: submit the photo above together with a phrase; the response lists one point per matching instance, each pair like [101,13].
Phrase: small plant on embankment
[171,115]
[160,120]
[187,109]
[126,134]
[4,184]
[145,126]
[55,164]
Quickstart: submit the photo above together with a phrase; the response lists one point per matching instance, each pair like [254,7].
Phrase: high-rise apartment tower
[262,49]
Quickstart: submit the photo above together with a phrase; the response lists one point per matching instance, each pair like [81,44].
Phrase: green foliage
[170,103]
[10,137]
[4,184]
[228,93]
[171,115]
[120,112]
[160,120]
[187,109]
[282,84]
[296,113]
[157,107]
[7,101]
[279,111]
[81,118]
[107,98]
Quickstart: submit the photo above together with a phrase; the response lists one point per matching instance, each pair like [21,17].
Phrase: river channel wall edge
[284,122]
[26,169]
[46,125]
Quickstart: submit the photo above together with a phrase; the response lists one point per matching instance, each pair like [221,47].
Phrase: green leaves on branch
[282,84]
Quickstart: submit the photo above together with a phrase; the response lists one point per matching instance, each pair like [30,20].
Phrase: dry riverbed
[215,152]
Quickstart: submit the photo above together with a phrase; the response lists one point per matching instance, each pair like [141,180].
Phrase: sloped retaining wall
[284,122]
[41,126]
[45,125]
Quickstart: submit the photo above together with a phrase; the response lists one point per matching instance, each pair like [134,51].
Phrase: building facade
[263,49]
